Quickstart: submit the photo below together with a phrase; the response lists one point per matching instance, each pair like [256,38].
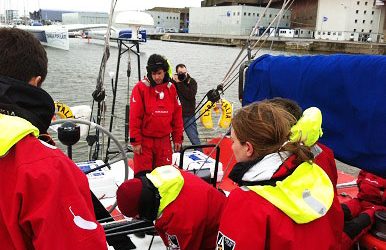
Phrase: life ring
[62,111]
[226,114]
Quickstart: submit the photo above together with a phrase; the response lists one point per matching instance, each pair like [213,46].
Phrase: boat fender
[62,111]
[226,114]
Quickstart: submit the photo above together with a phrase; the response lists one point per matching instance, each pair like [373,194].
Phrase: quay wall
[279,43]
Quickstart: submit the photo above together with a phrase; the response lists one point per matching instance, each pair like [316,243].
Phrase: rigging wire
[232,70]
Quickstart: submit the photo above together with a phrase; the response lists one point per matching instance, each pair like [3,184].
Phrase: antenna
[134,20]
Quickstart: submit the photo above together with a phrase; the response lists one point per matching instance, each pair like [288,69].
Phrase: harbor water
[72,77]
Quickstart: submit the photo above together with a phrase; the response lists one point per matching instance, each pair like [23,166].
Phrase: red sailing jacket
[371,188]
[326,160]
[45,201]
[251,222]
[191,221]
[155,112]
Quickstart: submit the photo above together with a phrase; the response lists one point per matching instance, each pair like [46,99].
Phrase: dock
[302,45]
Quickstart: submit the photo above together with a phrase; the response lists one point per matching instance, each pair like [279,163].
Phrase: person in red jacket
[45,199]
[186,209]
[285,201]
[359,212]
[155,113]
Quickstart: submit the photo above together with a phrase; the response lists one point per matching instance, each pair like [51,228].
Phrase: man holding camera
[187,90]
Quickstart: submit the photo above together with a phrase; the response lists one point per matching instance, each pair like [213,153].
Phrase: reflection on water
[72,75]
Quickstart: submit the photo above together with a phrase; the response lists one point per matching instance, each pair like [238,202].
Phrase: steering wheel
[111,136]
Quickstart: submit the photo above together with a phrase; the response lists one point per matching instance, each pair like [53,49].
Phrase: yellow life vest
[62,111]
[169,182]
[226,114]
[12,130]
[306,195]
[309,127]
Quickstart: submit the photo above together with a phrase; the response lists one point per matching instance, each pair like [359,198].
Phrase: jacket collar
[12,130]
[264,171]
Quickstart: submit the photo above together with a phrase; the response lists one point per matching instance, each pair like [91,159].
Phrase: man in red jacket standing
[155,113]
[45,199]
[186,209]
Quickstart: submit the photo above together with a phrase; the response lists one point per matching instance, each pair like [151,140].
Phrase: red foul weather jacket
[250,221]
[191,221]
[45,201]
[155,112]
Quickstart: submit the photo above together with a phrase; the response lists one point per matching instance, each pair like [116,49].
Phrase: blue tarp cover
[350,90]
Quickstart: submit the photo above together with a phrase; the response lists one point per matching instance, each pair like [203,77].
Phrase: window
[357,11]
[301,32]
[329,33]
[358,3]
[238,13]
[270,15]
[372,12]
[158,22]
[371,22]
[264,15]
[339,33]
[249,14]
[363,21]
[363,30]
[245,13]
[257,14]
[254,14]
[356,21]
[370,31]
[167,17]
[364,12]
[355,30]
[365,3]
[234,13]
[158,17]
[318,32]
[324,33]
[333,33]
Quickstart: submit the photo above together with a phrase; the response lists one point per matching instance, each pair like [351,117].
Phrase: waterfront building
[11,15]
[85,18]
[168,19]
[355,20]
[234,19]
[47,16]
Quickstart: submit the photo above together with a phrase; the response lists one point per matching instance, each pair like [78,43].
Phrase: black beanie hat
[156,62]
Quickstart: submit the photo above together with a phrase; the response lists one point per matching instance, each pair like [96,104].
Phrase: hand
[137,149]
[177,147]
[175,78]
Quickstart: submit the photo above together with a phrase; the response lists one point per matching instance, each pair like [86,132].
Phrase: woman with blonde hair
[285,201]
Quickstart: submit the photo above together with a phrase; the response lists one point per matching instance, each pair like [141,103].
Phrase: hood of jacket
[304,196]
[31,103]
[12,130]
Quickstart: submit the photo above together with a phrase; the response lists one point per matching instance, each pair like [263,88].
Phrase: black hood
[26,101]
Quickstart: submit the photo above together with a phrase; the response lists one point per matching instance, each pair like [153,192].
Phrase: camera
[181,76]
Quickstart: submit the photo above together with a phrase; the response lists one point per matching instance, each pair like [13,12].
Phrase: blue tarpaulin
[350,90]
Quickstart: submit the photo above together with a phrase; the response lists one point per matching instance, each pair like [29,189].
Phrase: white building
[355,20]
[164,21]
[233,20]
[85,18]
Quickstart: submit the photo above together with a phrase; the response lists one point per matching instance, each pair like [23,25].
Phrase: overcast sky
[93,5]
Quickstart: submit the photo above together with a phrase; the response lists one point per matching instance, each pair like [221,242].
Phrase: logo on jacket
[173,242]
[82,223]
[224,242]
[134,99]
